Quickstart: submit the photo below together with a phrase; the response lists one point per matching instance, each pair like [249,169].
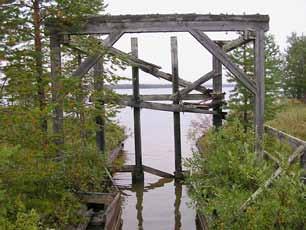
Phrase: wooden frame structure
[252,27]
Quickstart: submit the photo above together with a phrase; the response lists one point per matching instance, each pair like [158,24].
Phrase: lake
[158,203]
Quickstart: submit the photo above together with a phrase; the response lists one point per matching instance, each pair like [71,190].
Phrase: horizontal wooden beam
[166,107]
[284,137]
[163,23]
[168,97]
[215,50]
[157,172]
[231,45]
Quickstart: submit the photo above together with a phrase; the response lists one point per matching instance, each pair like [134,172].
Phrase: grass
[291,119]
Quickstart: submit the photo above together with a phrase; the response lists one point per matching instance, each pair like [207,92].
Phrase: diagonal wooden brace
[219,53]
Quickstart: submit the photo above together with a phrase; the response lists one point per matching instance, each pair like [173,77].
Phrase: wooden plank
[168,97]
[99,105]
[202,221]
[138,171]
[56,89]
[294,142]
[196,83]
[111,213]
[157,172]
[217,89]
[242,40]
[114,153]
[297,153]
[166,107]
[176,101]
[92,60]
[165,23]
[215,50]
[96,197]
[260,91]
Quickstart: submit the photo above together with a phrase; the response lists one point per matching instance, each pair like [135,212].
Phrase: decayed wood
[166,23]
[157,172]
[217,89]
[176,101]
[96,197]
[215,50]
[114,153]
[166,107]
[202,221]
[284,137]
[197,83]
[297,153]
[112,213]
[92,60]
[138,173]
[57,98]
[229,46]
[167,97]
[260,91]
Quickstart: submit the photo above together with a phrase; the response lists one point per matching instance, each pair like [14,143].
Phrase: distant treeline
[153,86]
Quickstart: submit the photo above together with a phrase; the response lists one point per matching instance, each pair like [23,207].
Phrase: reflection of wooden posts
[217,89]
[176,115]
[99,104]
[139,187]
[177,204]
[138,171]
[57,98]
[260,91]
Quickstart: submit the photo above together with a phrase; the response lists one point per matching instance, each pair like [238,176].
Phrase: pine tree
[241,100]
[295,70]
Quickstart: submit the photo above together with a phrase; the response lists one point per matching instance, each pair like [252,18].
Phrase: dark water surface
[158,204]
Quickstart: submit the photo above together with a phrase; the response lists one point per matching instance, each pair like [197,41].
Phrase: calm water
[158,203]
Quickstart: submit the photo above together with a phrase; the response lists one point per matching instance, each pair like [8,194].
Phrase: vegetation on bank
[227,174]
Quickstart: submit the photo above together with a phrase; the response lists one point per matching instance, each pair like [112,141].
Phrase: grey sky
[285,17]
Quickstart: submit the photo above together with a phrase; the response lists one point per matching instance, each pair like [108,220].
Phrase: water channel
[158,204]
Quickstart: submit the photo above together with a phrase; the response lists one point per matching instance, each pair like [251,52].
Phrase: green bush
[227,172]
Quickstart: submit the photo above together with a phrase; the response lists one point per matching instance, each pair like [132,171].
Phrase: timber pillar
[176,115]
[217,90]
[137,174]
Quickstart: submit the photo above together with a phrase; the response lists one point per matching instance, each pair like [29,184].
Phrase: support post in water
[99,104]
[138,171]
[217,89]
[260,91]
[176,115]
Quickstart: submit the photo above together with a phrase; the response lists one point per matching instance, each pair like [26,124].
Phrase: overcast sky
[285,17]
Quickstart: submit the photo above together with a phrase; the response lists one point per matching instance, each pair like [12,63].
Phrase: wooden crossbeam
[229,46]
[164,23]
[157,172]
[168,97]
[215,50]
[92,60]
[166,107]
[196,83]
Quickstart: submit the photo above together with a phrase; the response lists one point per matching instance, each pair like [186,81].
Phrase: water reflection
[139,189]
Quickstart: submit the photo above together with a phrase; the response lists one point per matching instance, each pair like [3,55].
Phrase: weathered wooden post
[176,115]
[259,48]
[57,98]
[217,89]
[99,104]
[138,171]
[177,204]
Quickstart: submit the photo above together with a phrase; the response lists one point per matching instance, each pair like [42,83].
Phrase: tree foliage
[295,70]
[241,100]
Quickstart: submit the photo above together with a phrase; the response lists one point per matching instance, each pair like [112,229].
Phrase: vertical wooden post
[260,91]
[99,104]
[217,88]
[138,172]
[57,98]
[176,115]
[177,204]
